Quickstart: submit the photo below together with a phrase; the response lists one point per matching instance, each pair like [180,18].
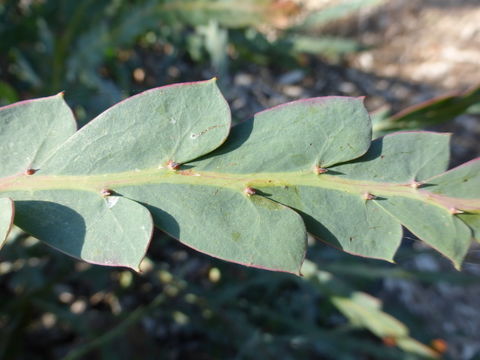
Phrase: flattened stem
[115,182]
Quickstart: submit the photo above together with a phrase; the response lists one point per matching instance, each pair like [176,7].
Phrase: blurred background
[185,305]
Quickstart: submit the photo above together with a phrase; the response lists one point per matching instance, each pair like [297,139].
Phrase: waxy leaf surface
[248,197]
[114,231]
[176,123]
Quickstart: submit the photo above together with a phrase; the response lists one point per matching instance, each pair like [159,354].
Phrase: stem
[237,182]
[61,46]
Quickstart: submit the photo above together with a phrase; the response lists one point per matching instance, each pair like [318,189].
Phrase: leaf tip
[361,98]
[61,94]
[136,268]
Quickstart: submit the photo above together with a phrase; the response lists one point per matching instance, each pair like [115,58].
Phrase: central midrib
[234,181]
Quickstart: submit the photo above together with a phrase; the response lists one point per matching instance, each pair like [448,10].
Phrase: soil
[417,50]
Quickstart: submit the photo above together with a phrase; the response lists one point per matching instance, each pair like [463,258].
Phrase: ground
[418,50]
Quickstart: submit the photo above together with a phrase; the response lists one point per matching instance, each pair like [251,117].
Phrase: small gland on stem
[455,211]
[368,196]
[415,184]
[319,170]
[172,165]
[30,171]
[249,191]
[105,192]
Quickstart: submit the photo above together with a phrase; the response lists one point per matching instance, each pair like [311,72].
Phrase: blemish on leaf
[236,236]
[203,132]
[30,171]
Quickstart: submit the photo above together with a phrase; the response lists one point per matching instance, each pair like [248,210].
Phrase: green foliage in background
[185,308]
[90,48]
[428,113]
